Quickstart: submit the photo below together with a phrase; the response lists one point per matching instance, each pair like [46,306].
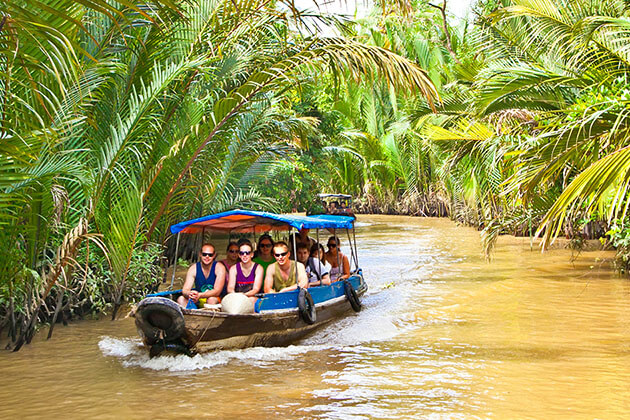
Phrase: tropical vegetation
[121,118]
[530,136]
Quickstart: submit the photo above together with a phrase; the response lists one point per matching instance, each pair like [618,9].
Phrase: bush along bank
[85,288]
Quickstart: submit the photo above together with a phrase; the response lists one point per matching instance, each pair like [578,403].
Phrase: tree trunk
[54,318]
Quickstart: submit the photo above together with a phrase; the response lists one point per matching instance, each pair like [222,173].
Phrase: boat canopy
[260,221]
[334,196]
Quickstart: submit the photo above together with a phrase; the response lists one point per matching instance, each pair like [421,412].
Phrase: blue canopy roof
[261,221]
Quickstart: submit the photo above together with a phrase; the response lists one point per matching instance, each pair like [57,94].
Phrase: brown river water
[443,334]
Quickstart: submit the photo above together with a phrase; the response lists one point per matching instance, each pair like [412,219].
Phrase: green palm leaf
[608,178]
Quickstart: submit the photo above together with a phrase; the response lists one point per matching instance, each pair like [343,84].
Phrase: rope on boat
[214,314]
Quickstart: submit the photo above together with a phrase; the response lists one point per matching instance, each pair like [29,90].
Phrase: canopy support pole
[175,262]
[356,250]
[319,275]
[352,254]
[339,267]
[295,255]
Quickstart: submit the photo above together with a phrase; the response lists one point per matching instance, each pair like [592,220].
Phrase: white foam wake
[133,354]
[119,347]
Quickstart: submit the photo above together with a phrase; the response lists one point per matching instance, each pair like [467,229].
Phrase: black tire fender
[159,318]
[306,307]
[177,348]
[352,296]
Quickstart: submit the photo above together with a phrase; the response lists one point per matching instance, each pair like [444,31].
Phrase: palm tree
[380,155]
[134,117]
[568,64]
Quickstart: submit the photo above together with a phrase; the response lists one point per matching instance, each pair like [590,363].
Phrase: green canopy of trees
[118,119]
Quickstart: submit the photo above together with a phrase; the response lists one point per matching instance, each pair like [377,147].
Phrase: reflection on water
[442,334]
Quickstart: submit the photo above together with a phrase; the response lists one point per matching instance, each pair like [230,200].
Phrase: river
[443,334]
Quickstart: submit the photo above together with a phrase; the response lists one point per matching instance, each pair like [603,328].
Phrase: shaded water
[443,334]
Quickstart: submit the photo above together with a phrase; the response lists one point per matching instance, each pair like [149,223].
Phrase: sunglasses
[332,245]
[265,245]
[233,251]
[207,254]
[244,252]
[281,254]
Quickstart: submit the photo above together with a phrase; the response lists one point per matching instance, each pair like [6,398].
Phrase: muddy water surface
[443,335]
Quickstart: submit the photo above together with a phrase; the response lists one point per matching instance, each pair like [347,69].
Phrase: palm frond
[608,178]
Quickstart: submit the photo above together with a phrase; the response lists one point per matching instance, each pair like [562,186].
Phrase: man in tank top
[281,274]
[204,280]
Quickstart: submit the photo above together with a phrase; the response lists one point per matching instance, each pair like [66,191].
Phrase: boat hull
[277,322]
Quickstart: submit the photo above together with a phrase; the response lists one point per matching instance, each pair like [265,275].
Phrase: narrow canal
[443,334]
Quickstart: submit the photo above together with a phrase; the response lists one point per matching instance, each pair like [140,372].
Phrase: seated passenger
[340,265]
[302,238]
[317,251]
[206,276]
[281,275]
[230,259]
[263,253]
[344,209]
[245,276]
[316,270]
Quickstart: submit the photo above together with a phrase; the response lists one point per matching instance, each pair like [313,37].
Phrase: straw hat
[237,303]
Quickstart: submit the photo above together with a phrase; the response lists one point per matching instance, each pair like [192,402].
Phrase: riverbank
[588,235]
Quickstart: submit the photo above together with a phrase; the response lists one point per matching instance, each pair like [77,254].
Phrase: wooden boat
[279,318]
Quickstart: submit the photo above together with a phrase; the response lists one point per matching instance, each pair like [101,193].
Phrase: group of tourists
[336,207]
[271,269]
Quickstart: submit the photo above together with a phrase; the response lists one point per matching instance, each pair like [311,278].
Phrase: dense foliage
[530,136]
[120,118]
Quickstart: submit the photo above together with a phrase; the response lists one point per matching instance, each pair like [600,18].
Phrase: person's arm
[322,269]
[232,279]
[325,279]
[346,267]
[302,277]
[269,279]
[226,277]
[257,281]
[219,281]
[187,291]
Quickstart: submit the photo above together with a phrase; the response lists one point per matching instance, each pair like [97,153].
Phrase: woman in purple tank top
[245,276]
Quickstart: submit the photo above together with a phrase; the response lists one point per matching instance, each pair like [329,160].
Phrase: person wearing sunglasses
[204,280]
[264,255]
[281,275]
[245,276]
[338,261]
